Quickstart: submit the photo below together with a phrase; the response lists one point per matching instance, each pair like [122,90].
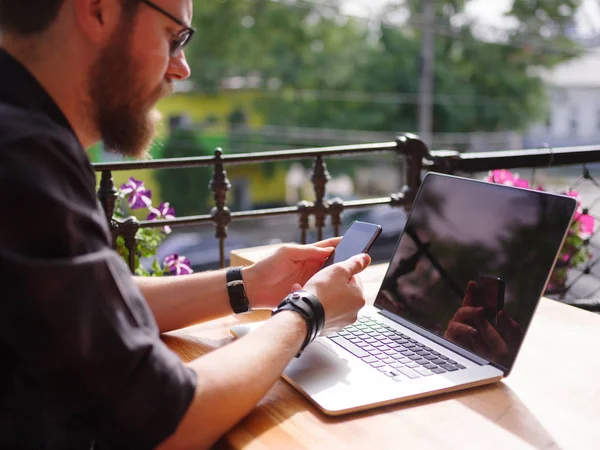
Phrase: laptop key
[438,361]
[412,364]
[438,370]
[368,348]
[460,366]
[370,359]
[451,361]
[389,360]
[355,350]
[423,353]
[423,371]
[396,365]
[448,367]
[377,364]
[430,366]
[409,372]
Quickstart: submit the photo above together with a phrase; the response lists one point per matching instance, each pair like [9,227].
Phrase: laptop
[455,304]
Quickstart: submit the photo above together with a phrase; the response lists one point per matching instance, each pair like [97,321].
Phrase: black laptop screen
[473,261]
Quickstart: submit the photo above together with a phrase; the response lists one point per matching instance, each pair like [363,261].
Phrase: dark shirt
[83,363]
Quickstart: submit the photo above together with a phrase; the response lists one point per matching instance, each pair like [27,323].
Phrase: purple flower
[137,195]
[164,211]
[179,265]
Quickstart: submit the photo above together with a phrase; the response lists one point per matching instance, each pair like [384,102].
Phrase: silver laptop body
[461,289]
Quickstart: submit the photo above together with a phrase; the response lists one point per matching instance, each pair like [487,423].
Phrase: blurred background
[466,75]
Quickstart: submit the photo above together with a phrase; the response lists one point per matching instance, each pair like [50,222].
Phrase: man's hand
[340,292]
[269,280]
[469,328]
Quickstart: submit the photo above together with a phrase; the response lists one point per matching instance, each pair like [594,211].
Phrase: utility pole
[427,79]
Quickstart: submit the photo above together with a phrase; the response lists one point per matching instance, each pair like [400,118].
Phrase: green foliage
[187,189]
[320,69]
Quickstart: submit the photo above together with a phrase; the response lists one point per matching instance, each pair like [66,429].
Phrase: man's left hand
[269,280]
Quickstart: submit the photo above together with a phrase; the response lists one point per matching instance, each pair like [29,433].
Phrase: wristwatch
[237,291]
[311,310]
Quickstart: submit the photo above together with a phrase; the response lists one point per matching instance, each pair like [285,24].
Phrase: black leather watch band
[310,308]
[236,290]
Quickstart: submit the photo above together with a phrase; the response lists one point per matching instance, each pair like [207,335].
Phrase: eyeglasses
[181,39]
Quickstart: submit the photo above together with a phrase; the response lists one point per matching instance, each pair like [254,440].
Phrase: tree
[321,69]
[187,190]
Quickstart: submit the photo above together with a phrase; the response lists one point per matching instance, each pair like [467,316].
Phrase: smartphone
[490,295]
[358,238]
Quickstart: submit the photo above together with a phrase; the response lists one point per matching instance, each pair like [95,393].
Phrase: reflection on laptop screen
[473,261]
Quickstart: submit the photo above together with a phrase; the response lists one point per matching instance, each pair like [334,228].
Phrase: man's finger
[469,299]
[356,264]
[467,313]
[331,242]
[306,252]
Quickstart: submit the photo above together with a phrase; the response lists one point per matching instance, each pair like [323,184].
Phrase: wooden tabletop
[551,400]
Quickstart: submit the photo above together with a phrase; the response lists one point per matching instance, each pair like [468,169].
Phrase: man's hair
[28,17]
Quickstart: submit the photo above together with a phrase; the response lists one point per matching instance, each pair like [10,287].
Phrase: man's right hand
[339,291]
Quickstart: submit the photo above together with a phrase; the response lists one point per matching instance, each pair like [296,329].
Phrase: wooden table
[550,401]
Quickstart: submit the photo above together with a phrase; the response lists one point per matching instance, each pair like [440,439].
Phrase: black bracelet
[237,292]
[311,310]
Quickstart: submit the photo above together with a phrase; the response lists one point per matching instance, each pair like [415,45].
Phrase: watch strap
[236,290]
[311,310]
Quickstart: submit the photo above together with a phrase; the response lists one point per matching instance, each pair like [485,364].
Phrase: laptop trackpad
[324,365]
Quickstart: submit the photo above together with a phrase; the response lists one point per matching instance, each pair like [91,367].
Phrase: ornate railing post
[128,228]
[319,178]
[336,208]
[221,215]
[304,209]
[414,151]
[107,194]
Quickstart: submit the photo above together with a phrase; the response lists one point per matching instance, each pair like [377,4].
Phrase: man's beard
[124,118]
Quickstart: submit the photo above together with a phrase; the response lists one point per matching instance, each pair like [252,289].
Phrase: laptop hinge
[435,338]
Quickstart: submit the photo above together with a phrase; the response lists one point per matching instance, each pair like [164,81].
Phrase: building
[574,110]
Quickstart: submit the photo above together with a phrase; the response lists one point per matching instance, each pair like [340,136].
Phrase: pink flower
[138,196]
[586,225]
[506,177]
[164,211]
[179,265]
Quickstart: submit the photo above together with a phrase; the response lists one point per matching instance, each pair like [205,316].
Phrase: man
[84,366]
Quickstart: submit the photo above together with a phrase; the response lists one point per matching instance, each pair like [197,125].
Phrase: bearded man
[84,365]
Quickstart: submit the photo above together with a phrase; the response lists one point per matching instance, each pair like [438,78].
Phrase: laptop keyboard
[391,352]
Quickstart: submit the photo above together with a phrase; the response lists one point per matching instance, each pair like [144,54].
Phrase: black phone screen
[359,238]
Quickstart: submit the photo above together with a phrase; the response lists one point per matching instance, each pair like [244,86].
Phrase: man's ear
[97,19]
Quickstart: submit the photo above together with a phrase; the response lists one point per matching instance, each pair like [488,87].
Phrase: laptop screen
[473,261]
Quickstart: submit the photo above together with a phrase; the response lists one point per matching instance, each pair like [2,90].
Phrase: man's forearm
[233,379]
[177,302]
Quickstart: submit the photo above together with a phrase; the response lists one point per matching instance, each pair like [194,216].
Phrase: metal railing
[408,148]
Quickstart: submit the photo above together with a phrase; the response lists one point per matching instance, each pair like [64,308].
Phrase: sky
[490,12]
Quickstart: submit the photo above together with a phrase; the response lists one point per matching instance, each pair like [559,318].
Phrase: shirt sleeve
[84,341]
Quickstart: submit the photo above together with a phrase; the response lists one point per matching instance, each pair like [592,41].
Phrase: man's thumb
[356,264]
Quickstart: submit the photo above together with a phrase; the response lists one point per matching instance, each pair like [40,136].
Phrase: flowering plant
[574,252]
[134,196]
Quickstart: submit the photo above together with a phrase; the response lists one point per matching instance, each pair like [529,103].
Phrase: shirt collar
[18,87]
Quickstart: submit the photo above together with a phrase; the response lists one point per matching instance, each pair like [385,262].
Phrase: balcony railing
[412,155]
